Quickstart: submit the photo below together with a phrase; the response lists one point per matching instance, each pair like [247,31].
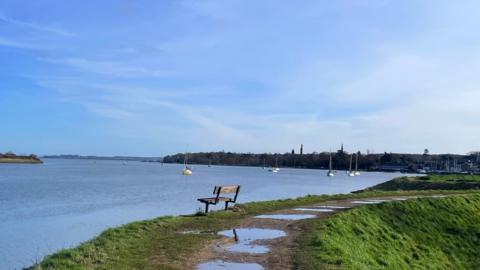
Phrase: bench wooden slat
[225,189]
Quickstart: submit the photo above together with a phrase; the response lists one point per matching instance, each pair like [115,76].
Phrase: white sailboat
[275,169]
[330,171]
[356,165]
[350,172]
[186,170]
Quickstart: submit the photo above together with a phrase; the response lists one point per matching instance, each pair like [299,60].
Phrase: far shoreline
[20,161]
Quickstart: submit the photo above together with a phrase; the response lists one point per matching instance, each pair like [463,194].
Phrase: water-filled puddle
[245,237]
[314,209]
[400,199]
[379,201]
[365,202]
[221,265]
[334,206]
[287,217]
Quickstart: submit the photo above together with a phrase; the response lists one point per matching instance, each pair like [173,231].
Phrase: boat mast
[351,159]
[330,163]
[356,162]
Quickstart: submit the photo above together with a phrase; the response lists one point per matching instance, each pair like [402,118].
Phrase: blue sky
[153,77]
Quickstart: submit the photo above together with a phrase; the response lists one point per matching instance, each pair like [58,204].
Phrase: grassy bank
[160,243]
[430,182]
[426,233]
[21,160]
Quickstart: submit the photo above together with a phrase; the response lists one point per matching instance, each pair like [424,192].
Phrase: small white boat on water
[330,171]
[275,169]
[350,172]
[356,165]
[186,170]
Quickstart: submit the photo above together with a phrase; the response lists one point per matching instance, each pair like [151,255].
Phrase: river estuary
[61,203]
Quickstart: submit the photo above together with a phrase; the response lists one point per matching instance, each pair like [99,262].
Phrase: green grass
[426,233]
[159,243]
[430,182]
[154,244]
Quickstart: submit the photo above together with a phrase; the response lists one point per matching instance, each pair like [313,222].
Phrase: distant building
[340,151]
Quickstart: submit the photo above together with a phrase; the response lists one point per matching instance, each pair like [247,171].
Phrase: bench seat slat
[214,199]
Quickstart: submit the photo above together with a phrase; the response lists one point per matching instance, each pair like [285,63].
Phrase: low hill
[428,233]
[430,182]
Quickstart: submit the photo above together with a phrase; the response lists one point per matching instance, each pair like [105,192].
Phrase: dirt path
[268,241]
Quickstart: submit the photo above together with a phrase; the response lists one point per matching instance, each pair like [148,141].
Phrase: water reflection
[324,210]
[334,207]
[222,265]
[245,238]
[286,216]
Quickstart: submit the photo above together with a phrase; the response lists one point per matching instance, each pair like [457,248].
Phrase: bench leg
[206,207]
[226,206]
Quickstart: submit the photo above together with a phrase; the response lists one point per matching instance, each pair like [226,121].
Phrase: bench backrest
[226,190]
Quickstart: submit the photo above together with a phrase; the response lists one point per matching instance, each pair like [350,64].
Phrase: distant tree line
[12,155]
[341,160]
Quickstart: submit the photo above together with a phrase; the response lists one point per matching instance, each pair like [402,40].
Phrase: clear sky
[117,77]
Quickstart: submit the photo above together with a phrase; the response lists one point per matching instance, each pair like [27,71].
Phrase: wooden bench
[218,190]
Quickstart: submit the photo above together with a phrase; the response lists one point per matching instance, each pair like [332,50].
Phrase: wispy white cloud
[35,26]
[6,42]
[246,77]
[110,68]
[446,124]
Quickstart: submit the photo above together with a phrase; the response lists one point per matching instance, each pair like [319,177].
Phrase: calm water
[63,202]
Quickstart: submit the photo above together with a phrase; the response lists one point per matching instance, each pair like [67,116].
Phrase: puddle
[287,217]
[400,199]
[244,238]
[379,201]
[365,202]
[221,265]
[314,209]
[334,207]
[438,196]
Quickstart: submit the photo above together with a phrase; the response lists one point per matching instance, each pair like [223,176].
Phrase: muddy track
[250,247]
